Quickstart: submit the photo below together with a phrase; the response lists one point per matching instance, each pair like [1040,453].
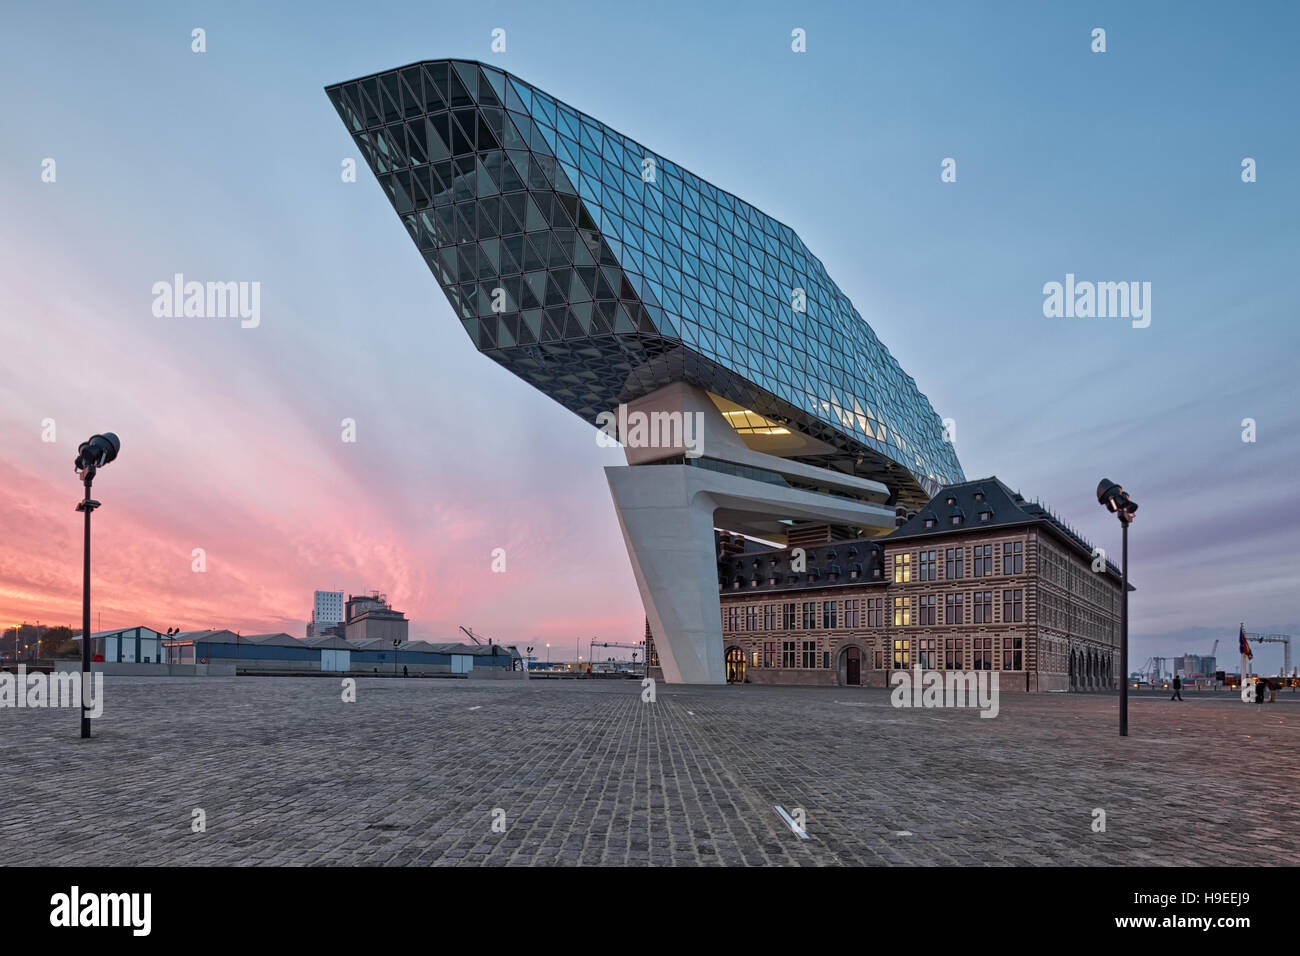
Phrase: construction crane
[1154,669]
[1284,640]
[472,636]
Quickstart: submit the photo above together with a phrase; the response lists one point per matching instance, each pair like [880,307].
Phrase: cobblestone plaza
[586,773]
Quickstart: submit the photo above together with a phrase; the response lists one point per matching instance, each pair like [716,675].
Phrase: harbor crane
[1284,640]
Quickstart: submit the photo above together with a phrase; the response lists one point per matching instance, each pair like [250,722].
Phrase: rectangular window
[1012,654]
[982,659]
[751,618]
[982,565]
[788,654]
[952,563]
[925,652]
[826,659]
[952,651]
[769,617]
[852,614]
[954,606]
[926,568]
[809,615]
[902,568]
[830,616]
[982,608]
[769,654]
[1013,607]
[809,654]
[880,659]
[926,611]
[902,655]
[787,617]
[1012,558]
[875,612]
[902,612]
[733,618]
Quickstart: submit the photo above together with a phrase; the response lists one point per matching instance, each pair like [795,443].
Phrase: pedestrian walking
[1178,688]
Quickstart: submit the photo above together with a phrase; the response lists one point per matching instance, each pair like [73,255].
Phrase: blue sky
[1123,165]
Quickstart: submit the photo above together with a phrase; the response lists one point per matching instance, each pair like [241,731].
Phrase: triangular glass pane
[468,74]
[535,220]
[457,95]
[486,187]
[438,137]
[486,93]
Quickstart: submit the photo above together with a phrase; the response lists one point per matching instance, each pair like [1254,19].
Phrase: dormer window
[952,500]
[956,519]
[985,515]
[979,496]
[929,522]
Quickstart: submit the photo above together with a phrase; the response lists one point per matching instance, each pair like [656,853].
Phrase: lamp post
[92,455]
[1116,500]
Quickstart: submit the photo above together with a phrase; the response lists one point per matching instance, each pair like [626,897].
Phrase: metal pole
[1123,640]
[87,506]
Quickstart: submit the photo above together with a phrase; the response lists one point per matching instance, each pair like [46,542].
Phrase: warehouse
[285,654]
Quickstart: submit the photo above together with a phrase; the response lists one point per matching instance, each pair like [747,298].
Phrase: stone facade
[1019,597]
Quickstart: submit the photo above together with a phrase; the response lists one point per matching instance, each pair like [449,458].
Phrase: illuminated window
[902,612]
[902,655]
[902,568]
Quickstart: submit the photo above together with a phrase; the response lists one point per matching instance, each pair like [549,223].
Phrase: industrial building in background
[326,614]
[631,291]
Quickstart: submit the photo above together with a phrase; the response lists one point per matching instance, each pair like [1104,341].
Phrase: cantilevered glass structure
[600,272]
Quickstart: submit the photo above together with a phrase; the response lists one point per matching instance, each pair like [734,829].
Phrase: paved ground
[586,774]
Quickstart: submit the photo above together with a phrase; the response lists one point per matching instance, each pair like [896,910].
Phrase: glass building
[600,271]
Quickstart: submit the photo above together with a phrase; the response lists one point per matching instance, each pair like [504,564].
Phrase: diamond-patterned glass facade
[599,271]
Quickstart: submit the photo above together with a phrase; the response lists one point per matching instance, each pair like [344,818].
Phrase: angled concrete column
[667,526]
[667,513]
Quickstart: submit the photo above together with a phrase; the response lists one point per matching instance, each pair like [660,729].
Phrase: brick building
[977,579]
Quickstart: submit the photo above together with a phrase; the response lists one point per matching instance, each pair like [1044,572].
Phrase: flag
[1244,645]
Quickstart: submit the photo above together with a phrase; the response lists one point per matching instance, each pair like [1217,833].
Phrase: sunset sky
[225,165]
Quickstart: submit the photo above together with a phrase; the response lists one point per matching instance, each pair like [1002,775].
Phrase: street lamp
[1116,500]
[92,455]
